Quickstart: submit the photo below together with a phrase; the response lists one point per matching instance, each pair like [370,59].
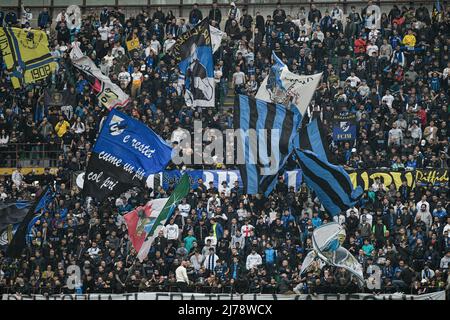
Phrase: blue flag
[331,183]
[265,157]
[312,137]
[125,154]
[19,240]
[194,54]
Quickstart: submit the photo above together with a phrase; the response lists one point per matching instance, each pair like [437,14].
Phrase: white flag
[298,88]
[109,94]
[216,37]
[157,207]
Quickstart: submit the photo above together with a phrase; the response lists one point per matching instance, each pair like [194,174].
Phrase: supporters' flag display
[282,86]
[327,245]
[26,55]
[153,227]
[125,154]
[265,141]
[331,183]
[312,137]
[193,51]
[344,126]
[108,93]
[216,38]
[141,220]
[133,44]
[18,242]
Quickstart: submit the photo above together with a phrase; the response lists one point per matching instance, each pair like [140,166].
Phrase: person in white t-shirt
[225,189]
[155,45]
[117,48]
[217,74]
[124,78]
[371,48]
[353,79]
[388,98]
[104,31]
[170,41]
[172,231]
[184,208]
[238,79]
[109,59]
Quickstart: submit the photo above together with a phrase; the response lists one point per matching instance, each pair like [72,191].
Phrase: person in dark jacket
[159,14]
[215,14]
[314,13]
[196,15]
[44,19]
[259,23]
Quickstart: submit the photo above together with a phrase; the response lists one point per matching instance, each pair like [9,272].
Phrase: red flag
[136,221]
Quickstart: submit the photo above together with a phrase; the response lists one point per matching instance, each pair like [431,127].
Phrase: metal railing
[28,155]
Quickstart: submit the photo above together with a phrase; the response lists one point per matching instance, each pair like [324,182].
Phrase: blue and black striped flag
[331,183]
[264,142]
[312,137]
[18,242]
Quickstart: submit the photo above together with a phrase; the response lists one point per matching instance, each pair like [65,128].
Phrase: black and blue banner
[266,141]
[331,183]
[125,154]
[19,242]
[194,54]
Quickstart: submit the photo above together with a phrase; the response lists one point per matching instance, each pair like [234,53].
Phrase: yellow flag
[26,55]
[133,44]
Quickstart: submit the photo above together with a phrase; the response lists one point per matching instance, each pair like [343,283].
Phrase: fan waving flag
[125,154]
[264,142]
[283,87]
[153,227]
[26,55]
[331,183]
[194,54]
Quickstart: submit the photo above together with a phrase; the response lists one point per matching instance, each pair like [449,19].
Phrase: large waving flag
[331,183]
[312,137]
[194,54]
[141,220]
[125,154]
[26,55]
[18,242]
[153,227]
[264,142]
[108,93]
[282,86]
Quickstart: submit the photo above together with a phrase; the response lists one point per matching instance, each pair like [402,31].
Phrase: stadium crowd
[395,78]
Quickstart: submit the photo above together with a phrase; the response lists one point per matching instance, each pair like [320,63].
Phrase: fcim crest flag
[26,55]
[125,154]
[194,54]
[344,126]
